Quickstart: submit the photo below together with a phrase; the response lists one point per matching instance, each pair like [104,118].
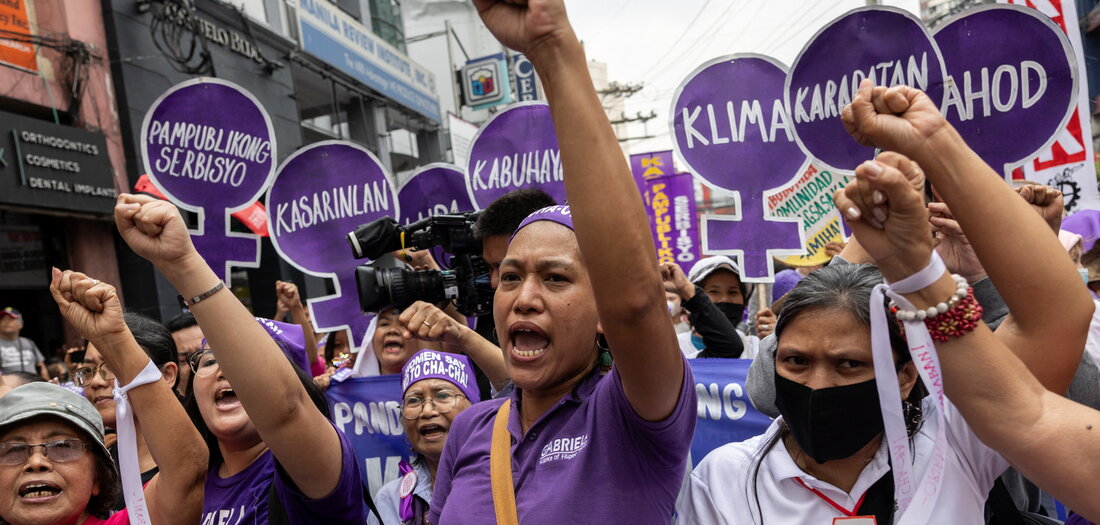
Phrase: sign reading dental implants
[435,189]
[886,45]
[515,149]
[368,411]
[208,145]
[1068,164]
[810,197]
[321,193]
[670,204]
[730,127]
[1009,100]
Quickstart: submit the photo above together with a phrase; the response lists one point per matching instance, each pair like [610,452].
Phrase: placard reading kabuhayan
[516,149]
[810,196]
[435,189]
[209,146]
[730,127]
[321,193]
[887,45]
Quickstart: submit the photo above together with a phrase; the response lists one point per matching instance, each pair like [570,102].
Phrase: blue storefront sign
[331,35]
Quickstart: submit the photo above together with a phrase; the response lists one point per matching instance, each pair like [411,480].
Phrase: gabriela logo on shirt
[563,448]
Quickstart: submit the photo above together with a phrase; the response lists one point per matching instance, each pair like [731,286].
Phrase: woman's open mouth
[38,492]
[528,340]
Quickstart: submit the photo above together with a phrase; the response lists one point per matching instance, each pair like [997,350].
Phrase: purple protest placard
[887,45]
[1012,81]
[671,209]
[321,193]
[208,145]
[435,189]
[515,149]
[646,166]
[730,127]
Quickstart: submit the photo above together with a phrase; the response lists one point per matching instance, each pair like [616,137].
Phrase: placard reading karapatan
[1011,81]
[435,189]
[515,149]
[730,127]
[208,145]
[810,196]
[887,45]
[321,193]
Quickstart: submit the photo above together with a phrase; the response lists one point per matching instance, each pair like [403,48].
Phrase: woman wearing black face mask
[714,297]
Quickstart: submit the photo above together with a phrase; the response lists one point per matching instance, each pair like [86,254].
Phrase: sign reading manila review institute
[331,35]
[209,146]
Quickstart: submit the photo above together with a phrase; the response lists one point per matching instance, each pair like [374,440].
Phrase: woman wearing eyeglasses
[98,382]
[437,387]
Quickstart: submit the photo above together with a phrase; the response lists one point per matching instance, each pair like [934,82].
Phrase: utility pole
[456,87]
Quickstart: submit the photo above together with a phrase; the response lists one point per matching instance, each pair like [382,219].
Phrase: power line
[681,37]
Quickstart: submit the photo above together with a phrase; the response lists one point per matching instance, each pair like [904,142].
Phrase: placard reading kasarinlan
[321,193]
[208,145]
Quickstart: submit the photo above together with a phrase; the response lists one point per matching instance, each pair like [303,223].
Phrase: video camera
[465,281]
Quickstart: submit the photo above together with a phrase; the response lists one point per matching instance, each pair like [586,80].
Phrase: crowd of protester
[574,401]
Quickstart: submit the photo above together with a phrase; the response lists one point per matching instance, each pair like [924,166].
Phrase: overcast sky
[659,42]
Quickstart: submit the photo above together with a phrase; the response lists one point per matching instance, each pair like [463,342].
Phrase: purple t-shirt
[589,459]
[242,498]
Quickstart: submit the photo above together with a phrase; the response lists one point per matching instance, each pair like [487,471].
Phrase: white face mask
[1084,275]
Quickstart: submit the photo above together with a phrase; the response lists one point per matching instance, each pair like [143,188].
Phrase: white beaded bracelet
[961,289]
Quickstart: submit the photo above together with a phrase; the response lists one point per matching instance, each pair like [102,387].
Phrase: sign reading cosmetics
[515,149]
[331,35]
[435,189]
[730,126]
[208,145]
[321,193]
[887,45]
[1009,100]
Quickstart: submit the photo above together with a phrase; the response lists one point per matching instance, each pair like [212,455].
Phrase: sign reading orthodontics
[50,166]
[333,36]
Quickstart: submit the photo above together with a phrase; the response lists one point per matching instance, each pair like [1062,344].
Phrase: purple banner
[730,127]
[321,193]
[208,145]
[887,45]
[1013,81]
[435,189]
[515,149]
[646,166]
[670,204]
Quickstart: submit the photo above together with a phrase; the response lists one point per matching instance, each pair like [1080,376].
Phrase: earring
[605,352]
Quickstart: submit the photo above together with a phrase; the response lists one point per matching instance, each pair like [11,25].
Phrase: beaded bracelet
[961,289]
[955,317]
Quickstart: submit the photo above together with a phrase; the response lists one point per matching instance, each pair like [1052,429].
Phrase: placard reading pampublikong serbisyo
[435,189]
[208,145]
[515,149]
[730,127]
[670,204]
[321,193]
[1012,81]
[887,45]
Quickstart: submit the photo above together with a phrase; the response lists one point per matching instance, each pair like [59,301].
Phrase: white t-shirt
[19,354]
[1092,343]
[720,489]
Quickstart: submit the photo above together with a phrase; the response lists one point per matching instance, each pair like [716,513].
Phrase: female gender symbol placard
[321,193]
[515,149]
[208,145]
[1012,81]
[884,44]
[435,189]
[730,126]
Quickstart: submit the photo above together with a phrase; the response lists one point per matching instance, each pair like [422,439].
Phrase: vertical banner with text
[670,204]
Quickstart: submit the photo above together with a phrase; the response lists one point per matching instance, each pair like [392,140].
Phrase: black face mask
[732,311]
[829,423]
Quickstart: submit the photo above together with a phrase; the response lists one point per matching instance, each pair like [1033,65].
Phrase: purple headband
[453,368]
[290,338]
[558,213]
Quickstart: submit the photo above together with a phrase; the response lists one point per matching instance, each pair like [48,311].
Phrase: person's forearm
[298,313]
[720,338]
[1006,234]
[487,356]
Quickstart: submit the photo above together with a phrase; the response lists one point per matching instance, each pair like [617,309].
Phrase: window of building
[385,17]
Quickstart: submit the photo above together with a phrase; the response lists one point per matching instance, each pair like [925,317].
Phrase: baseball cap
[47,399]
[12,312]
[707,265]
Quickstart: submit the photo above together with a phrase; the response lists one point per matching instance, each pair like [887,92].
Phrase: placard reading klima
[209,146]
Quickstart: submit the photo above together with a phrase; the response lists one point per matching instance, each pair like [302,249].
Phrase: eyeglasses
[83,375]
[203,363]
[61,451]
[444,401]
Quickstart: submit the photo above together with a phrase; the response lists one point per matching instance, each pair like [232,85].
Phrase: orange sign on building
[14,22]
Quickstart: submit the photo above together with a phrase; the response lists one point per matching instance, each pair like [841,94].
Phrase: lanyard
[846,512]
